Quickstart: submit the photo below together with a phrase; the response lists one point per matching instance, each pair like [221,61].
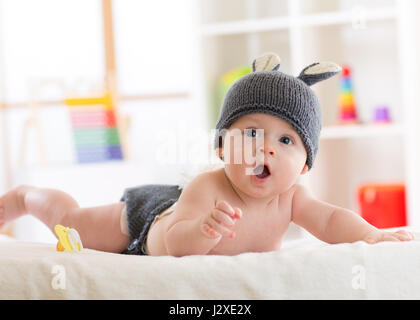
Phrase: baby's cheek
[296,164]
[288,174]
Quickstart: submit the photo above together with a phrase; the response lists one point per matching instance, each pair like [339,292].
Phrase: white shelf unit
[372,37]
[362,131]
[311,20]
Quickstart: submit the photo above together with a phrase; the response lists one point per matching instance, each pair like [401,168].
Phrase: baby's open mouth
[261,171]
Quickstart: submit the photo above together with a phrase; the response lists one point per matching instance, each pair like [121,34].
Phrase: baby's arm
[198,222]
[333,224]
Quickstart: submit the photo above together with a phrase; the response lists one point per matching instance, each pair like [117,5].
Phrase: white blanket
[306,269]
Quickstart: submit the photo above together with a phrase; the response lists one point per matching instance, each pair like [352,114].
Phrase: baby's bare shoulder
[203,182]
[198,196]
[300,192]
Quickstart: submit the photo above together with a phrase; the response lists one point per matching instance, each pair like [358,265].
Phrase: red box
[383,205]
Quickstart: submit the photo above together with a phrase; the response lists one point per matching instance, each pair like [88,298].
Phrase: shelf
[345,17]
[359,131]
[308,20]
[121,98]
[245,26]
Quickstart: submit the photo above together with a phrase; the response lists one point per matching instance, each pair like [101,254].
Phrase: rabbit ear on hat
[319,71]
[266,62]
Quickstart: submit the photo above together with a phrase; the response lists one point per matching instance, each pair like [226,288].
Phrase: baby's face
[276,144]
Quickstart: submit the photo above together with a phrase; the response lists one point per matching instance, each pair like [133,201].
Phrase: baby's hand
[377,236]
[220,220]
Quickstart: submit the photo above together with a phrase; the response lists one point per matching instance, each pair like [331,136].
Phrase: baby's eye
[251,132]
[286,140]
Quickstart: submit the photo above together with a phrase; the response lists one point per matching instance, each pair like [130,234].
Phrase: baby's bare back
[259,229]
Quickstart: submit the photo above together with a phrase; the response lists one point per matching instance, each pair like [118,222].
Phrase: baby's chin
[260,194]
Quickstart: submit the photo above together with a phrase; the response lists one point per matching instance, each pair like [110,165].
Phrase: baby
[246,206]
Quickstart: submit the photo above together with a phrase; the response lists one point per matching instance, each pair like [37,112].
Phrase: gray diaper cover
[142,205]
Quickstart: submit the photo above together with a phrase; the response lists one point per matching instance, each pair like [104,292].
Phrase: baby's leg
[98,227]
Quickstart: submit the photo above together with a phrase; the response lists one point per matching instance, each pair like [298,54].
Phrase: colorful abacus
[95,132]
[347,107]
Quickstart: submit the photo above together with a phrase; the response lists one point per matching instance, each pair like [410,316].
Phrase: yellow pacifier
[68,239]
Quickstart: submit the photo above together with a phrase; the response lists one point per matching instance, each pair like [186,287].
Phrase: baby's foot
[12,205]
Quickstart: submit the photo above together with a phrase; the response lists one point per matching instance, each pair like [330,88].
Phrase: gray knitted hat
[266,90]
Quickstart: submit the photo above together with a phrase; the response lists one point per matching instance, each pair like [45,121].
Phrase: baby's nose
[268,149]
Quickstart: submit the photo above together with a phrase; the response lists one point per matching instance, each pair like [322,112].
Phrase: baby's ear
[319,71]
[266,62]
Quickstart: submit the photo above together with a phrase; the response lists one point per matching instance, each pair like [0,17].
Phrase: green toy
[223,86]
